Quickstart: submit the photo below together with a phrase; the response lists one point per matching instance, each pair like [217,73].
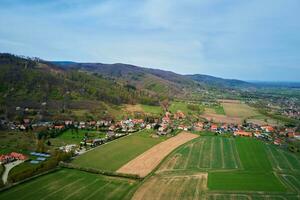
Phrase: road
[8,167]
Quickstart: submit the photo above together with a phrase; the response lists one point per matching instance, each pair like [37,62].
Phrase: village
[167,125]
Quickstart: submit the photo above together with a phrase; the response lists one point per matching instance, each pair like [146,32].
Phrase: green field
[257,172]
[115,154]
[183,107]
[220,167]
[205,153]
[152,109]
[71,184]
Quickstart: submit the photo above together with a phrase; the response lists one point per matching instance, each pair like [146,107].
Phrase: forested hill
[220,82]
[155,81]
[33,80]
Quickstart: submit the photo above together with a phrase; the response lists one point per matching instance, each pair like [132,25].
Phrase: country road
[8,167]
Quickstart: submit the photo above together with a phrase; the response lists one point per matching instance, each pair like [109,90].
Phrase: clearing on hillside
[71,184]
[173,187]
[113,155]
[146,162]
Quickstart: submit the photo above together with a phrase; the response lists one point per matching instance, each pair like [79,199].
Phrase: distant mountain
[155,81]
[276,84]
[220,82]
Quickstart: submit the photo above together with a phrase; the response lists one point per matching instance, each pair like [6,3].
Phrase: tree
[165,104]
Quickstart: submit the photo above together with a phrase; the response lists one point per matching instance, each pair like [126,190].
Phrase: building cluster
[13,156]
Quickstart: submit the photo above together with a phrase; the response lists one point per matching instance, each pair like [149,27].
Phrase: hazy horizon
[252,40]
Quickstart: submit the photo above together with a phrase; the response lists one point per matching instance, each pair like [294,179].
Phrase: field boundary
[97,171]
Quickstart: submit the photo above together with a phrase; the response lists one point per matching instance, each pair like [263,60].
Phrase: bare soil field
[235,112]
[229,101]
[146,162]
[173,187]
[133,108]
[222,118]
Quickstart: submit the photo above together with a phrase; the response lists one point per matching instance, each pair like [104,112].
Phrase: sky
[242,39]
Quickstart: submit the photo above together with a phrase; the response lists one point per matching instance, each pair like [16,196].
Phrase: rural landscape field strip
[113,155]
[71,184]
[143,164]
[204,153]
[172,187]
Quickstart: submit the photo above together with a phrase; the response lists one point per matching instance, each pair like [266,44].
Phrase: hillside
[28,82]
[155,81]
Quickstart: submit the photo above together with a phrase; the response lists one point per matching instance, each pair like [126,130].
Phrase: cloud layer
[249,40]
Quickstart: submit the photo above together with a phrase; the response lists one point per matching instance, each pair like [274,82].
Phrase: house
[242,133]
[26,121]
[166,119]
[267,128]
[148,126]
[59,127]
[68,122]
[213,127]
[179,115]
[82,124]
[198,126]
[112,128]
[278,141]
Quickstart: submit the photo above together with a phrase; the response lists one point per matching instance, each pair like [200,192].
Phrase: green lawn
[115,154]
[152,109]
[71,184]
[74,137]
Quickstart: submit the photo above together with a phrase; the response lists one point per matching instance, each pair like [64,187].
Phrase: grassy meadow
[115,154]
[75,137]
[71,184]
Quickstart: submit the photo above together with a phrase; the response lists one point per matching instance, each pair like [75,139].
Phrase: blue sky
[244,39]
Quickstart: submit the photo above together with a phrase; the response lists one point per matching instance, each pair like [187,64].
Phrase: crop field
[235,168]
[204,153]
[113,155]
[282,160]
[71,184]
[173,187]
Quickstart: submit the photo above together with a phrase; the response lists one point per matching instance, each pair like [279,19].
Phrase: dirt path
[146,162]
